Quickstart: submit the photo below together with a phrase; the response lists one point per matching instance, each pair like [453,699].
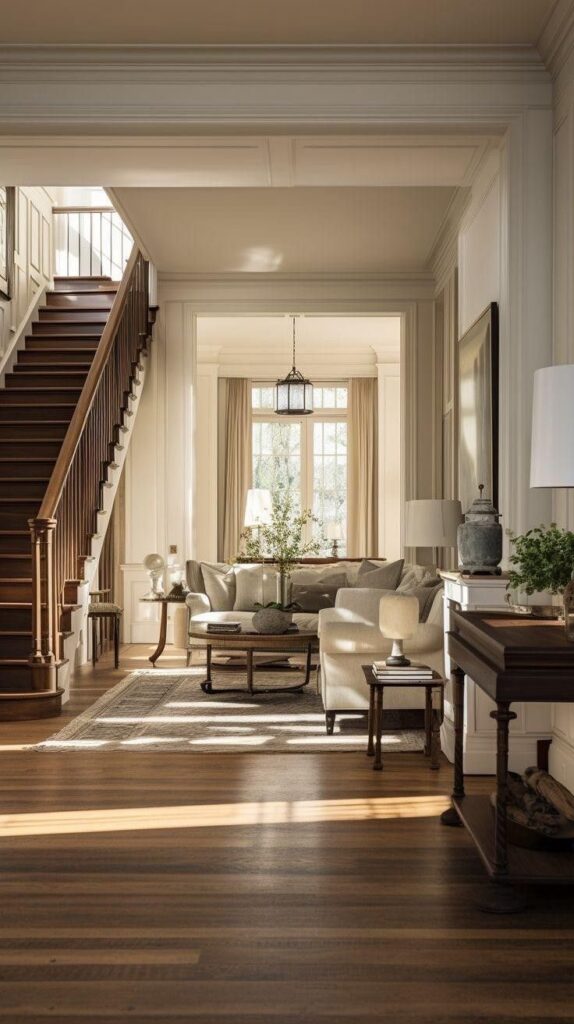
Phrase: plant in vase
[281,540]
[543,560]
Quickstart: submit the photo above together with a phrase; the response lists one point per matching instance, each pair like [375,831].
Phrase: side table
[164,601]
[434,710]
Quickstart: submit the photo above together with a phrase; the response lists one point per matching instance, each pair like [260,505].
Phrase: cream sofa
[220,593]
[350,637]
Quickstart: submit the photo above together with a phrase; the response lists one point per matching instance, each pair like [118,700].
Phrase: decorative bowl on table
[272,619]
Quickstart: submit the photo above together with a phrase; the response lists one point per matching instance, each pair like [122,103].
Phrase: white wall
[562,748]
[32,258]
[479,245]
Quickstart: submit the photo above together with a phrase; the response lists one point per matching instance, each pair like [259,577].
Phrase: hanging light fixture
[294,394]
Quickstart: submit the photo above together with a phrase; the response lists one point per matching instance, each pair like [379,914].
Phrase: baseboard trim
[480,751]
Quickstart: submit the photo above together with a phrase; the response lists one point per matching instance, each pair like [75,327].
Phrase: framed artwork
[7,222]
[478,409]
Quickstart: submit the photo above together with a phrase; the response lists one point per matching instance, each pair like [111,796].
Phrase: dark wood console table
[511,658]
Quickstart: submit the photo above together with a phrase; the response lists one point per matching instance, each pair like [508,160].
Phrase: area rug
[163,710]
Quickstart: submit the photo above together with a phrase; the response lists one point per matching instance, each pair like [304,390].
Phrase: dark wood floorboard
[245,888]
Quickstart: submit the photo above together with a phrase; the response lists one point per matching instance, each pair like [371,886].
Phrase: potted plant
[543,560]
[281,540]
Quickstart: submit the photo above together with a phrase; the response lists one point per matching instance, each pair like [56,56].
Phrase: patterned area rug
[160,710]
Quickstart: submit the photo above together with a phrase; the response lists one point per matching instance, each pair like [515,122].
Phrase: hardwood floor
[246,888]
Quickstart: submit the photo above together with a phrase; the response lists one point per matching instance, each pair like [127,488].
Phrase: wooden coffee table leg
[378,765]
[162,634]
[371,744]
[428,720]
[435,730]
[250,670]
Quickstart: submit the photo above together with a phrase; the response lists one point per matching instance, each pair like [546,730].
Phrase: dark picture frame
[7,237]
[478,409]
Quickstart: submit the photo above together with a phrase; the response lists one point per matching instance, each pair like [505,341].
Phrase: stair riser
[38,468]
[49,379]
[46,451]
[16,543]
[72,316]
[23,489]
[47,341]
[15,590]
[17,618]
[15,647]
[35,360]
[33,414]
[89,300]
[19,431]
[15,516]
[82,284]
[61,330]
[23,396]
[16,565]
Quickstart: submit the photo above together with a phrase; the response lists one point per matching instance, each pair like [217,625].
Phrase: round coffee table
[293,642]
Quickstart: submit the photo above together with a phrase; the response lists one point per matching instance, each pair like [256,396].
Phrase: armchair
[350,636]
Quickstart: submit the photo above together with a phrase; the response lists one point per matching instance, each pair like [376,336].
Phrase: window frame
[261,415]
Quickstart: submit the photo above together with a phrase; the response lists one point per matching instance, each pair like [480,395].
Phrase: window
[307,454]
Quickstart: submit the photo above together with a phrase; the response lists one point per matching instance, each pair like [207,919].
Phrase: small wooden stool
[99,610]
[434,713]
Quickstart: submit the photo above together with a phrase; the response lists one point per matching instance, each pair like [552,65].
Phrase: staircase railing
[90,241]
[62,529]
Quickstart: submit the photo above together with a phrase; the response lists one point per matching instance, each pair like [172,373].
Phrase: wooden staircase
[60,412]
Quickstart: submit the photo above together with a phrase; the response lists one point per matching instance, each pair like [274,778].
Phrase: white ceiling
[268,21]
[287,230]
[261,345]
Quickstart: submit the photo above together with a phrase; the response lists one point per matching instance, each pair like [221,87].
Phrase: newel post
[43,655]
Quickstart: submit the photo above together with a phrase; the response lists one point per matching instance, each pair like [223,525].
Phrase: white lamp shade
[398,616]
[552,459]
[258,507]
[334,531]
[432,523]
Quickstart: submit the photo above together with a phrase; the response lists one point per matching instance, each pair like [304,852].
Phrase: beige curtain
[234,462]
[362,453]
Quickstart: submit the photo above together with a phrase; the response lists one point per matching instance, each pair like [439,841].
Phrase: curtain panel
[235,462]
[363,476]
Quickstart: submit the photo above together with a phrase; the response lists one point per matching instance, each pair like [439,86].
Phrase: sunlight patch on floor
[288,812]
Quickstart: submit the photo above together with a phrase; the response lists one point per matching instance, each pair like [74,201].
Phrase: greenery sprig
[543,559]
[282,539]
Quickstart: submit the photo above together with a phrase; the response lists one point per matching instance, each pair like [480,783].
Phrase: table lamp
[432,523]
[258,507]
[334,533]
[398,620]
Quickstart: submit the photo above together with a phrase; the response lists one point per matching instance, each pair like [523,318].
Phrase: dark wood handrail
[77,423]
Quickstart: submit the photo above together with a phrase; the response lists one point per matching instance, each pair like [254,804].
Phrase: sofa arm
[352,637]
[198,604]
[427,637]
[363,602]
[337,615]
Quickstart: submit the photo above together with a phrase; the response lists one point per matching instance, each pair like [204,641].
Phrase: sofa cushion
[322,574]
[254,584]
[219,583]
[417,576]
[382,577]
[314,597]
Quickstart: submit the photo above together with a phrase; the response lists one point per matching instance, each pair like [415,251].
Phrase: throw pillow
[312,597]
[425,597]
[385,577]
[219,583]
[417,576]
[254,584]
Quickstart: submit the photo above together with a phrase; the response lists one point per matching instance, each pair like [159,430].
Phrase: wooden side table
[164,601]
[434,711]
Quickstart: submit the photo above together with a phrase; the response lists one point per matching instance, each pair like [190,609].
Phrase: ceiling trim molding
[176,60]
[245,277]
[556,42]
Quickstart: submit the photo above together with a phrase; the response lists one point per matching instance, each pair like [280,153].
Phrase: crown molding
[556,42]
[188,60]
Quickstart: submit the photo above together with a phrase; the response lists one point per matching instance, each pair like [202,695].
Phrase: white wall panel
[32,258]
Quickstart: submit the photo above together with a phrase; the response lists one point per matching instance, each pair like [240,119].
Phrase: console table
[511,658]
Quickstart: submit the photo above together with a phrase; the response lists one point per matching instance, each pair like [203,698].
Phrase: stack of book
[224,627]
[400,673]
